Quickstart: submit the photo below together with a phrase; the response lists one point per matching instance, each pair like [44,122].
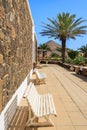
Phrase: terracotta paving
[70,97]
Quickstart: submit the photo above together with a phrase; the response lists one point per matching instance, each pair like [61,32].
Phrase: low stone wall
[78,69]
[15,45]
[84,71]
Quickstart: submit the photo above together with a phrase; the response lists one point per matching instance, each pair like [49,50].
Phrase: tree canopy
[63,27]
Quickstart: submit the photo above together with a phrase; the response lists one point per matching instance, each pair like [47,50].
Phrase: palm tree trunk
[63,49]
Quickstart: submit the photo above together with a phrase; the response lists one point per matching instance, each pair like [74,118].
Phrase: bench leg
[29,122]
[49,120]
[33,123]
[38,81]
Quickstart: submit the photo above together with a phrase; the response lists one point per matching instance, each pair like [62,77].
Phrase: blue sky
[43,9]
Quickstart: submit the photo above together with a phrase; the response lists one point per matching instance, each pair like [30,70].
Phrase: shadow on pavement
[81,77]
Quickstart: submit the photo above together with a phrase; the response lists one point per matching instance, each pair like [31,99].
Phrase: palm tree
[63,27]
[83,49]
[44,47]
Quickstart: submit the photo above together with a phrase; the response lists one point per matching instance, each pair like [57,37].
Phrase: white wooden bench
[19,119]
[15,117]
[40,76]
[10,113]
[41,106]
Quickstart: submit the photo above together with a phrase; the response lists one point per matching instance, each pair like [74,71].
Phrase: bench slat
[19,117]
[51,109]
[15,118]
[41,105]
[27,90]
[38,107]
[30,92]
[52,105]
[34,105]
[47,104]
[44,112]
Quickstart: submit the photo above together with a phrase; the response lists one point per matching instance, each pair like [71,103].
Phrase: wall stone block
[1,35]
[1,59]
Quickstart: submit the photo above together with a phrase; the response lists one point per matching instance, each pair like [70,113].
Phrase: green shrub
[79,60]
[72,54]
[69,60]
[85,60]
[54,55]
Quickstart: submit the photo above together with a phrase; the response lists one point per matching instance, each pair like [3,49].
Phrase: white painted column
[33,45]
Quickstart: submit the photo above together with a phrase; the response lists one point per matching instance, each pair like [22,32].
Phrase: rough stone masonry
[15,46]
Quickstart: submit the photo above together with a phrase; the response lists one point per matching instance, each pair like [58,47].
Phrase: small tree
[79,60]
[72,54]
[44,47]
[83,49]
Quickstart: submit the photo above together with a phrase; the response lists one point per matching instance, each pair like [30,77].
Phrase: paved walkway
[70,97]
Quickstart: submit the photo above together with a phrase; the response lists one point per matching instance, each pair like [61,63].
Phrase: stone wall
[15,45]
